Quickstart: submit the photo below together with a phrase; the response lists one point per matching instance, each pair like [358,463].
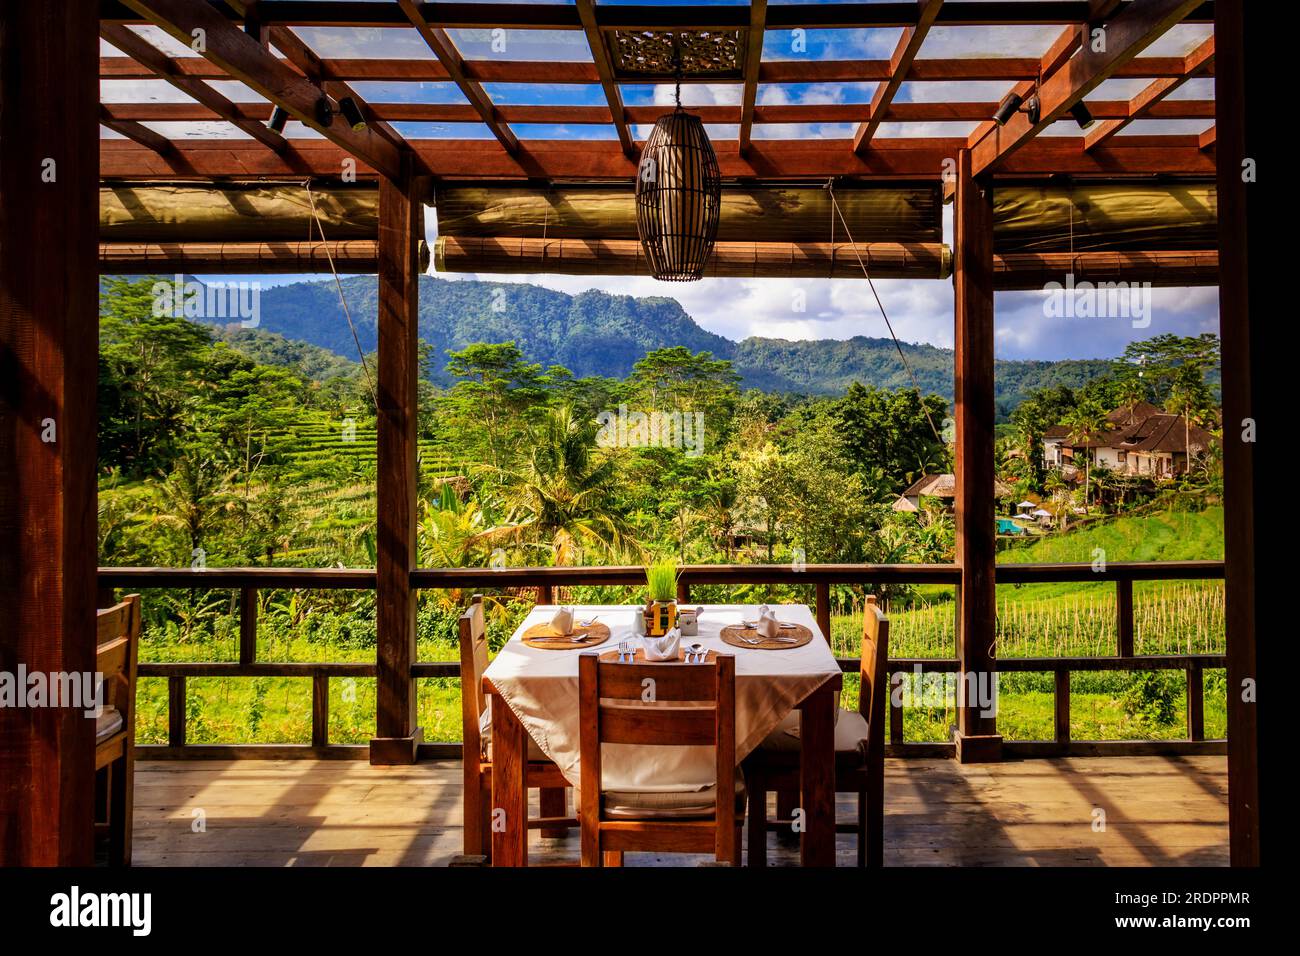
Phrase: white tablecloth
[541,687]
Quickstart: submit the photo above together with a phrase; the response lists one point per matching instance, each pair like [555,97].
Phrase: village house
[943,487]
[1142,440]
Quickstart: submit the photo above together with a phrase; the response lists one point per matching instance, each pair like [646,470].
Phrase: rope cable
[830,188]
[342,299]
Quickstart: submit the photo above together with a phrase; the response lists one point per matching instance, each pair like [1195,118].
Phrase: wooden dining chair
[613,710]
[477,735]
[859,754]
[118,643]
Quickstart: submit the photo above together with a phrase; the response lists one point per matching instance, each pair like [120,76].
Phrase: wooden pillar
[977,737]
[1238,119]
[400,223]
[49,274]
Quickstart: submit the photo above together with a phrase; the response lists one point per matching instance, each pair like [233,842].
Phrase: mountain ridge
[599,333]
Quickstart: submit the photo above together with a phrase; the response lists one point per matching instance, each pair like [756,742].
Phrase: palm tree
[560,499]
[1131,391]
[1086,421]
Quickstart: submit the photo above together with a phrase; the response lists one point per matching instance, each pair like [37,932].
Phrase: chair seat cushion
[107,723]
[668,804]
[850,730]
[535,752]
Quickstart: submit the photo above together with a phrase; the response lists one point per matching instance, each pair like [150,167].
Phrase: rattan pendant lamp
[678,195]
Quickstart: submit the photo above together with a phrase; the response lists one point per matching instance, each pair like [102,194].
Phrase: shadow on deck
[1083,811]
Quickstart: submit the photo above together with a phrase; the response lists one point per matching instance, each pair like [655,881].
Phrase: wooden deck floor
[1158,811]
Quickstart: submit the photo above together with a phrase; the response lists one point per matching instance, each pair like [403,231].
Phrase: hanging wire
[835,205]
[342,299]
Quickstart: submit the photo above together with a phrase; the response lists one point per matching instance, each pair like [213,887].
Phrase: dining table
[532,693]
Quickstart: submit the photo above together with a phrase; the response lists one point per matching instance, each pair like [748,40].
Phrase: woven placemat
[599,634]
[733,633]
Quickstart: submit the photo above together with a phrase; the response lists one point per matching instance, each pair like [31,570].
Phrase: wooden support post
[320,710]
[247,625]
[1195,703]
[683,591]
[824,610]
[1124,617]
[397,736]
[49,223]
[545,594]
[977,737]
[176,711]
[895,713]
[1238,118]
[1062,707]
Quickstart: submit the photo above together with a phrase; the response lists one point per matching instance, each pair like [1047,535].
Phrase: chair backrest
[873,699]
[658,704]
[117,642]
[473,662]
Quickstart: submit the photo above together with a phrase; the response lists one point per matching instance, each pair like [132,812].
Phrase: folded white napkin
[768,625]
[662,648]
[562,622]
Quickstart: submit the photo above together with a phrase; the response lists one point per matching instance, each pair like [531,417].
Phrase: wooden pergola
[56,158]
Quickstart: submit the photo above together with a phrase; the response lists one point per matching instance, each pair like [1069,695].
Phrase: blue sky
[921,310]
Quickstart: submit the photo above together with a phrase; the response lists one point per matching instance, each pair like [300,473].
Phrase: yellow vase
[660,617]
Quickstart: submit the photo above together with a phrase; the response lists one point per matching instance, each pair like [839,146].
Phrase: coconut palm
[1085,422]
[561,498]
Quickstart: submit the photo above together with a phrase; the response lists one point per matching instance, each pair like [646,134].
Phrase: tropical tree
[562,499]
[1086,422]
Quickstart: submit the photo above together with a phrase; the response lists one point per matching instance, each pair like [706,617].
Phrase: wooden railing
[249,581]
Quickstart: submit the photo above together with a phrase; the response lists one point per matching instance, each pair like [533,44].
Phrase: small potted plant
[661,608]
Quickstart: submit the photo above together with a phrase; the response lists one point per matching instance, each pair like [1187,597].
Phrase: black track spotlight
[324,111]
[352,113]
[1034,109]
[279,119]
[1082,115]
[1007,108]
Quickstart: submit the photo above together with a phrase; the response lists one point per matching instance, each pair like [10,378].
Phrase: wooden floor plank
[1158,811]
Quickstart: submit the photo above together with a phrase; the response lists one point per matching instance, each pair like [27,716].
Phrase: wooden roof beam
[909,45]
[440,43]
[1139,24]
[451,14]
[164,67]
[549,73]
[605,71]
[1142,104]
[246,60]
[753,62]
[137,133]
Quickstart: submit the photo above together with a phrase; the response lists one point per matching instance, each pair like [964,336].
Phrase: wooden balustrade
[249,581]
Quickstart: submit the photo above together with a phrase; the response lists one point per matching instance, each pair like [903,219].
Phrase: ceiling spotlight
[1034,108]
[324,112]
[279,118]
[1007,108]
[1081,114]
[352,113]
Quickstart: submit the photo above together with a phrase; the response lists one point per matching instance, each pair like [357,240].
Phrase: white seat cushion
[535,752]
[850,729]
[667,805]
[107,723]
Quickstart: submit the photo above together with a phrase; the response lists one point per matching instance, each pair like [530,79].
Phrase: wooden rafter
[549,73]
[895,157]
[244,59]
[469,14]
[164,67]
[135,132]
[909,45]
[440,43]
[600,116]
[1131,31]
[1142,104]
[753,62]
[605,70]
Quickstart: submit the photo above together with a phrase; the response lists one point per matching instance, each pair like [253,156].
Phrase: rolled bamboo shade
[678,198]
[1111,217]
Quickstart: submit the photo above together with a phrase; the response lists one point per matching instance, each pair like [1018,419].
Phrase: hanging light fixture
[678,195]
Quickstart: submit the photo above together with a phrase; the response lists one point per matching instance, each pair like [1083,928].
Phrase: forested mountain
[595,333]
